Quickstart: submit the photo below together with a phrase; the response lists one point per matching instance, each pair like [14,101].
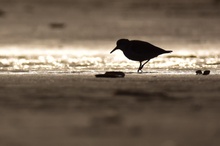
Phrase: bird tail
[168,51]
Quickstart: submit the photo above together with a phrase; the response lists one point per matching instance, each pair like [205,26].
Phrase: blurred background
[29,21]
[96,25]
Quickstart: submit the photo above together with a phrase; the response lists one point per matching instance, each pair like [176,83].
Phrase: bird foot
[139,71]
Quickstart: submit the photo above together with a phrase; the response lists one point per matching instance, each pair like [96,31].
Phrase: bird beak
[114,49]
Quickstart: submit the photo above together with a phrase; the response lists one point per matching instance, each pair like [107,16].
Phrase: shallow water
[70,59]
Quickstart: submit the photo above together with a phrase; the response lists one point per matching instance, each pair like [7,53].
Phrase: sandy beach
[50,51]
[78,109]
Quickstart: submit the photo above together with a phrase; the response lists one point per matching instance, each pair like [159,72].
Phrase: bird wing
[141,47]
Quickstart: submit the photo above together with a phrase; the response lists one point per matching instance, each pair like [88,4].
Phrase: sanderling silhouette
[137,50]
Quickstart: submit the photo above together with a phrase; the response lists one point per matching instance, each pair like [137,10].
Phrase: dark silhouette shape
[206,72]
[111,74]
[198,72]
[139,51]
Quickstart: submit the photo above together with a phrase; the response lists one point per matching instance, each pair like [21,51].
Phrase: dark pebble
[206,72]
[111,74]
[198,72]
[115,73]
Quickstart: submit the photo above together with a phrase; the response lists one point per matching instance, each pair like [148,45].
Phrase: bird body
[139,50]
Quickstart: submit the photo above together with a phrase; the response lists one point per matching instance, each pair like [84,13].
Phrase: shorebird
[137,50]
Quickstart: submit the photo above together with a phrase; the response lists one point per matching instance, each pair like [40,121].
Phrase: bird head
[121,44]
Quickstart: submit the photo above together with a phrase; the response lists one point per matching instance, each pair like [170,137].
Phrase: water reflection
[86,60]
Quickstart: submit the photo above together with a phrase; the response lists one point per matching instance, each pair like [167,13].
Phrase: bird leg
[142,65]
[145,63]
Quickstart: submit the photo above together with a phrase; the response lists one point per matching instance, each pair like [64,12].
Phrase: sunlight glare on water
[86,60]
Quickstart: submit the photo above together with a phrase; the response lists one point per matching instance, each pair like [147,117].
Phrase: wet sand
[78,109]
